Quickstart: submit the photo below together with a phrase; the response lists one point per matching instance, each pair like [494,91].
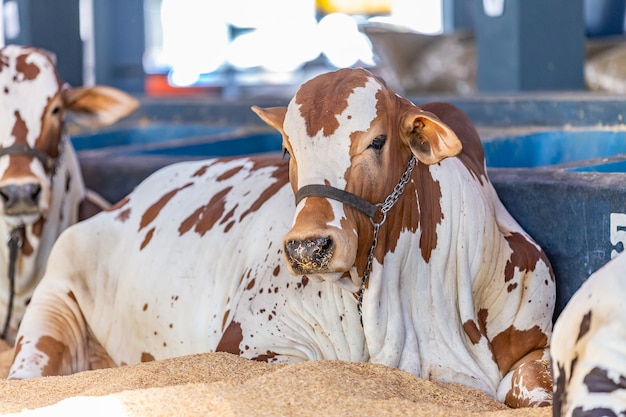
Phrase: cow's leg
[528,383]
[53,336]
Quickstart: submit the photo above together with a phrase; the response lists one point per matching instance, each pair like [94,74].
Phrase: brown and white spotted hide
[41,188]
[589,347]
[191,261]
[458,292]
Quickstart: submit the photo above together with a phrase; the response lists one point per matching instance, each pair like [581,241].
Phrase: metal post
[532,45]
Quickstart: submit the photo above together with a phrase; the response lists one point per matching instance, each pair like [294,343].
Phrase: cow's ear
[273,116]
[428,137]
[98,106]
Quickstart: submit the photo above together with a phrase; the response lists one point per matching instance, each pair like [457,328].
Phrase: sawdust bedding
[221,384]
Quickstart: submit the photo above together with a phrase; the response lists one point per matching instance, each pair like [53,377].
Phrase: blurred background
[252,48]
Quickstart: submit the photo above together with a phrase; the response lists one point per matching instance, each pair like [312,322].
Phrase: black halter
[15,242]
[21,149]
[353,200]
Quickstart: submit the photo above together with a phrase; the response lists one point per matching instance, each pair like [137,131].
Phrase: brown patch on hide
[281,174]
[512,344]
[205,217]
[430,212]
[524,257]
[29,70]
[153,211]
[325,97]
[231,339]
[57,353]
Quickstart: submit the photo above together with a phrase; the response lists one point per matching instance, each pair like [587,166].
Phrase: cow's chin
[14,222]
[349,281]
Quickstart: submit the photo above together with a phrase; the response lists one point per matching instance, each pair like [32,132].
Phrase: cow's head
[348,131]
[33,104]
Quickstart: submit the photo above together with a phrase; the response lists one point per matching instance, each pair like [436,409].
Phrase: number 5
[618,231]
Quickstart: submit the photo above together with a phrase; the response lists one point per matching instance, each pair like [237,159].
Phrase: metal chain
[385,206]
[366,273]
[398,189]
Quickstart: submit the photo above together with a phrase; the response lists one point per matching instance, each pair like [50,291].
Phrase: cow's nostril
[33,191]
[309,255]
[9,194]
[323,247]
[5,196]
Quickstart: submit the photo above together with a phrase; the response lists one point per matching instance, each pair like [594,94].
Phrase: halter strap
[15,243]
[353,200]
[21,149]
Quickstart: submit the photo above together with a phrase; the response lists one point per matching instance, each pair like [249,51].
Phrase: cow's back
[184,229]
[191,261]
[589,359]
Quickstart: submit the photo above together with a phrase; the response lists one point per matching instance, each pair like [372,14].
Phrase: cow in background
[41,186]
[398,252]
[589,347]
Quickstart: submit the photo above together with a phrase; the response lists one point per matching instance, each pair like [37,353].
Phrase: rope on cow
[15,242]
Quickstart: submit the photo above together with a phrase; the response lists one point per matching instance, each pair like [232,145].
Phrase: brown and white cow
[41,187]
[589,347]
[194,259]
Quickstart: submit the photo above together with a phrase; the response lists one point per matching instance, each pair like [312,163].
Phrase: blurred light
[341,41]
[278,48]
[256,14]
[246,51]
[289,46]
[369,7]
[424,16]
[11,20]
[85,19]
[195,36]
[183,78]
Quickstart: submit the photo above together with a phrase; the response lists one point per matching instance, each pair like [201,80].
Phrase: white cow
[194,259]
[589,347]
[41,186]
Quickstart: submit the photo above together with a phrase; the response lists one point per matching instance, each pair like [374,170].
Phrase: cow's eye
[56,110]
[378,142]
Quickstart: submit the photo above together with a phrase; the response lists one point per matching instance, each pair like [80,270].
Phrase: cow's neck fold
[384,207]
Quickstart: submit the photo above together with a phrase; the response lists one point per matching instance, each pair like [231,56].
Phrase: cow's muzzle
[20,199]
[309,255]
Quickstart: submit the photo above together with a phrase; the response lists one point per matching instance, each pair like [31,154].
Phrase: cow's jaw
[349,281]
[24,220]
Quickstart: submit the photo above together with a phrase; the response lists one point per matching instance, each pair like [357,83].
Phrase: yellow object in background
[354,6]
